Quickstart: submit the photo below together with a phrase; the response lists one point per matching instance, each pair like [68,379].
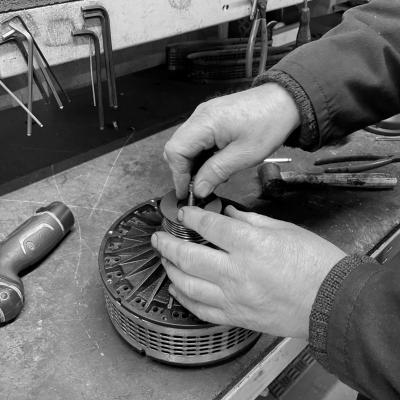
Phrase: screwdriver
[304,33]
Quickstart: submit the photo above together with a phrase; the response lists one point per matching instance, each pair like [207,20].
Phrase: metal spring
[181,232]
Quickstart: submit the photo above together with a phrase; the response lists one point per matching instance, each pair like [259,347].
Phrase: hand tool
[374,161]
[95,39]
[20,45]
[101,13]
[30,77]
[274,182]
[21,104]
[304,33]
[25,246]
[39,61]
[387,139]
[259,18]
[41,55]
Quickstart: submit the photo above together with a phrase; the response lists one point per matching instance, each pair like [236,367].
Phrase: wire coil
[182,232]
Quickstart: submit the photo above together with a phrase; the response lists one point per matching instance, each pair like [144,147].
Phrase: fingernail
[154,240]
[203,189]
[180,215]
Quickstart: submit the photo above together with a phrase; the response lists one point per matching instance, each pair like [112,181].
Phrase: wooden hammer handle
[349,180]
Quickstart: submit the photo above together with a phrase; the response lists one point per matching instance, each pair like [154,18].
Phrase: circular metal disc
[170,205]
[140,306]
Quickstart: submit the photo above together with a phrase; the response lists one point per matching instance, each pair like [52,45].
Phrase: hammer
[26,245]
[274,182]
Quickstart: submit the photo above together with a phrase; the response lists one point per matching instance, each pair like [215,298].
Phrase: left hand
[264,277]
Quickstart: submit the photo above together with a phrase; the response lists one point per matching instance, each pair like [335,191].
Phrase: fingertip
[230,210]
[172,290]
[203,188]
[154,240]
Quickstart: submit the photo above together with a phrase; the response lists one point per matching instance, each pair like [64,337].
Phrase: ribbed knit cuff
[324,303]
[307,136]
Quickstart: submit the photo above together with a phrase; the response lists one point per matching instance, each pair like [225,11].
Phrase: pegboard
[14,5]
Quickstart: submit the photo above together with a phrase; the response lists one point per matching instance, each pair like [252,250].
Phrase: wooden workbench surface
[63,345]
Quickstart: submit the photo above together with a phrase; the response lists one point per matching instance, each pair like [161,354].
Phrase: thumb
[219,168]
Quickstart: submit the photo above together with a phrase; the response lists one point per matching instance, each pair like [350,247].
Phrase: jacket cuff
[322,313]
[307,136]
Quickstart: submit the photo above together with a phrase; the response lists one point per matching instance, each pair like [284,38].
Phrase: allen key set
[20,33]
[100,13]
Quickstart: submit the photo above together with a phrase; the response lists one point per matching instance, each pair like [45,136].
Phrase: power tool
[25,246]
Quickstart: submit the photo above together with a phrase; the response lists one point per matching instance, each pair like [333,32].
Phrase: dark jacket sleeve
[355,326]
[352,74]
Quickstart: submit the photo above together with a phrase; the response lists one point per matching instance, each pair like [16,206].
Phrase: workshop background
[90,92]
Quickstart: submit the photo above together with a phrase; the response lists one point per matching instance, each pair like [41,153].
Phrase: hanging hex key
[39,61]
[30,77]
[20,103]
[93,36]
[41,55]
[19,43]
[101,13]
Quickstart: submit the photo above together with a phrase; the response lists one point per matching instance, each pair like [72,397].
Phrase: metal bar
[93,36]
[102,14]
[30,72]
[21,48]
[20,103]
[53,75]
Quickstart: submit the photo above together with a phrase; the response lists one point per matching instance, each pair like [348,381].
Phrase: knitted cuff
[307,136]
[324,303]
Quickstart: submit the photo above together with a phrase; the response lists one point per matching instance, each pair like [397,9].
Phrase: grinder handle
[32,240]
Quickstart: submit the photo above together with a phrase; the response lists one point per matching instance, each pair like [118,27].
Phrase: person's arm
[351,75]
[355,325]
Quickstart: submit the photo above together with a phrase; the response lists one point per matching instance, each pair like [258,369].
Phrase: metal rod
[53,75]
[30,72]
[278,160]
[19,43]
[387,139]
[91,72]
[20,103]
[93,36]
[102,14]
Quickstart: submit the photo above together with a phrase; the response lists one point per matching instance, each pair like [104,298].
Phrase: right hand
[246,127]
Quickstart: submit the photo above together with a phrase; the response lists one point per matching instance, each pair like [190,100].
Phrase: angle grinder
[26,245]
[136,290]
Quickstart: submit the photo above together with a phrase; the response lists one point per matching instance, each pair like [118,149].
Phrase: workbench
[63,346]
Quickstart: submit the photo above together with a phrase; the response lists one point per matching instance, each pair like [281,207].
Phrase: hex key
[30,76]
[39,61]
[101,13]
[53,75]
[17,40]
[93,36]
[20,103]
[110,80]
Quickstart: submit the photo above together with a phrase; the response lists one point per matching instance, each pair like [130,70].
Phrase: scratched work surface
[63,346]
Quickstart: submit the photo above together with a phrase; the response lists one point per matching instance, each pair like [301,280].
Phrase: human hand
[265,276]
[246,127]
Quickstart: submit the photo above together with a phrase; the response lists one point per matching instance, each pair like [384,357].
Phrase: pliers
[259,17]
[374,161]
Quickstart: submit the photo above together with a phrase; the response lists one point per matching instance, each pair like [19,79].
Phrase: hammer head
[272,184]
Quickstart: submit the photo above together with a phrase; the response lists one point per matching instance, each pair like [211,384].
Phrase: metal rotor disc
[140,306]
